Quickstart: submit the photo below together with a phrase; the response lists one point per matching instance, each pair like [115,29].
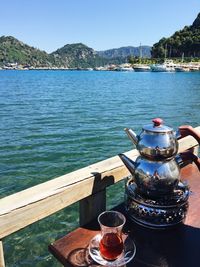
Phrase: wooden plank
[91,206]
[28,206]
[2,262]
[188,142]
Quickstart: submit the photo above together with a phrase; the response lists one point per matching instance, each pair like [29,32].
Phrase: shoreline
[168,65]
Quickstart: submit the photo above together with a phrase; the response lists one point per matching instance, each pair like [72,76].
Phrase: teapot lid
[157,127]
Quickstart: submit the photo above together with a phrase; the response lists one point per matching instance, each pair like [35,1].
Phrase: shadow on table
[177,247]
[80,257]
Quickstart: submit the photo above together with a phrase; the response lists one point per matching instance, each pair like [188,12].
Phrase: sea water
[55,122]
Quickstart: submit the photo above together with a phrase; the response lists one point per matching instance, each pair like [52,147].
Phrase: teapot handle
[184,131]
[189,156]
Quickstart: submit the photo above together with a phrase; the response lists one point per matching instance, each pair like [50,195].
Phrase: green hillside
[13,50]
[71,55]
[77,55]
[185,41]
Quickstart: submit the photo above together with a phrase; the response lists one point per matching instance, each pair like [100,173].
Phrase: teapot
[155,141]
[157,170]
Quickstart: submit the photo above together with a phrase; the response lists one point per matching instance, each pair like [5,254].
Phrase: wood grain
[2,262]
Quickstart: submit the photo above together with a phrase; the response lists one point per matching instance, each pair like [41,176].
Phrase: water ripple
[56,122]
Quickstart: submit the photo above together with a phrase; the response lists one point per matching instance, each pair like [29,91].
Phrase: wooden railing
[86,185]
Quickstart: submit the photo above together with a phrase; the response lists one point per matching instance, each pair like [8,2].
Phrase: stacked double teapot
[155,197]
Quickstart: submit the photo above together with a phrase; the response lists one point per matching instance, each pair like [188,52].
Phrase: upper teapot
[156,141]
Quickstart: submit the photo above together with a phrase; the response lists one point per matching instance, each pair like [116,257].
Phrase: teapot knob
[157,122]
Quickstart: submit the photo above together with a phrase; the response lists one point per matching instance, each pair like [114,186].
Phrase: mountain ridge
[70,55]
[126,51]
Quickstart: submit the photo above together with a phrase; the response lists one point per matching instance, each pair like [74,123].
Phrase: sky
[99,24]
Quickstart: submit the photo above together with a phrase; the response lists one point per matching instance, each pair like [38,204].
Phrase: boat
[125,69]
[182,68]
[194,67]
[141,67]
[100,68]
[167,66]
[122,68]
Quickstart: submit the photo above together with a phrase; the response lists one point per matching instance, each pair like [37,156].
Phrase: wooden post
[2,262]
[90,207]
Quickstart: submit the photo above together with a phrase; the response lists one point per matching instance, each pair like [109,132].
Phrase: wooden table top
[176,247]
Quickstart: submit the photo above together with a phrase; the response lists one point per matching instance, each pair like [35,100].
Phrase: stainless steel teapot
[157,170]
[155,141]
[153,178]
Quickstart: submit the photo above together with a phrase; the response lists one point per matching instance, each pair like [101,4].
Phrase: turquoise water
[54,122]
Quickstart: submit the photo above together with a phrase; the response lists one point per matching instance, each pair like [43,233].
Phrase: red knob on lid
[157,121]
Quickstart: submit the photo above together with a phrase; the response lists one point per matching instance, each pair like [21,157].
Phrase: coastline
[191,66]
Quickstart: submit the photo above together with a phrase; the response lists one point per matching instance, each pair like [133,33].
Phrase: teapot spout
[132,135]
[130,164]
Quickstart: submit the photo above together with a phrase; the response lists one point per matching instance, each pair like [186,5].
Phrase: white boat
[168,65]
[124,69]
[193,67]
[181,69]
[100,68]
[141,67]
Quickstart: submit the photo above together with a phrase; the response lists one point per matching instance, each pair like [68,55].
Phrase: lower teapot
[153,178]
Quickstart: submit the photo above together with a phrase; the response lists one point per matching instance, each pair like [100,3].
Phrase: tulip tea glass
[111,244]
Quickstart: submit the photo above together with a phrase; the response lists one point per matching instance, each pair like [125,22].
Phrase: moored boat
[124,69]
[141,67]
[167,66]
[182,69]
[194,68]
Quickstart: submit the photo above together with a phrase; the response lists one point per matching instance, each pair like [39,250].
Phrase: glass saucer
[126,256]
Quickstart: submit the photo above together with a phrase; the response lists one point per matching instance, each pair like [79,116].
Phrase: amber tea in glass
[111,243]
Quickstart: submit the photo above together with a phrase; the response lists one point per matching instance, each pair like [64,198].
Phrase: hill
[13,50]
[185,41]
[77,55]
[127,51]
[71,55]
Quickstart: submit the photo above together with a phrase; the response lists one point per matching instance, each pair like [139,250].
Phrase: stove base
[156,213]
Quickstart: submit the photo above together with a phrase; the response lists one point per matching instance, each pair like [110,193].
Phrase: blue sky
[100,24]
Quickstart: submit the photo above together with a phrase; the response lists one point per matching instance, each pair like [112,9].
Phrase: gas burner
[179,194]
[162,212]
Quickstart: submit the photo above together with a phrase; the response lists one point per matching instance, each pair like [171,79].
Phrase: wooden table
[177,247]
